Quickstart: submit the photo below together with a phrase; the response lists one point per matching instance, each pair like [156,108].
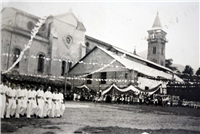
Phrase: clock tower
[156,43]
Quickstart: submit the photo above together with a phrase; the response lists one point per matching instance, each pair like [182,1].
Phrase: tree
[168,63]
[198,72]
[188,70]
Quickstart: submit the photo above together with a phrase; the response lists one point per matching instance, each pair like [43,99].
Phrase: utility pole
[66,74]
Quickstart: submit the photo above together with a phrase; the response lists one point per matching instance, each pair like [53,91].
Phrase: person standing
[156,101]
[3,99]
[25,99]
[11,94]
[40,102]
[62,102]
[55,106]
[75,97]
[48,102]
[18,100]
[7,88]
[31,101]
[22,103]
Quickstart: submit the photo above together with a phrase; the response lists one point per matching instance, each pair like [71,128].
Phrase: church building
[62,50]
[106,64]
[55,48]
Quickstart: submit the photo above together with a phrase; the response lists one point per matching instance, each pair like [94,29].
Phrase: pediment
[68,18]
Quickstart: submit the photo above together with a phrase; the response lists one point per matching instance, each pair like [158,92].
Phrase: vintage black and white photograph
[100,67]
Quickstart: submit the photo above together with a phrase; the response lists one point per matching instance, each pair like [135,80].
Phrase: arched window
[16,55]
[87,47]
[41,63]
[69,66]
[63,68]
[154,50]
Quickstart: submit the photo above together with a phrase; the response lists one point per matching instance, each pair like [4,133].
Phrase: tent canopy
[84,89]
[130,89]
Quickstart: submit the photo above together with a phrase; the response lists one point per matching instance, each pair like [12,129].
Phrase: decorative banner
[68,60]
[164,83]
[33,33]
[132,88]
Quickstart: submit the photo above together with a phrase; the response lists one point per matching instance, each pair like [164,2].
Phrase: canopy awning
[136,90]
[86,89]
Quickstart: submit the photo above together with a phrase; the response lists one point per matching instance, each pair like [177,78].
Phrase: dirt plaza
[89,117]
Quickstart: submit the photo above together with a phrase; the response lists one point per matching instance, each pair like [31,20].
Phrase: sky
[125,24]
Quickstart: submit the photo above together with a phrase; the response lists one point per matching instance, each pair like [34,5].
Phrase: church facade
[54,50]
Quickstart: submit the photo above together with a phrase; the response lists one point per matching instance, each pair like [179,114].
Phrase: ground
[88,117]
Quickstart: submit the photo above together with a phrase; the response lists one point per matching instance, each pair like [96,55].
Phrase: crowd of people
[30,101]
[124,98]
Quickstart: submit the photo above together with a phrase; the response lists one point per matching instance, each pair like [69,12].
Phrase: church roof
[157,23]
[129,53]
[144,69]
[132,65]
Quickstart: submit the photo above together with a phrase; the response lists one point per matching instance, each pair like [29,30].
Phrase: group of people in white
[18,100]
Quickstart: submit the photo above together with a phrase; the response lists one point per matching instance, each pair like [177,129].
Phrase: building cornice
[23,32]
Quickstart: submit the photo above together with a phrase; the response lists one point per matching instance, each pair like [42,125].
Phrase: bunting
[136,90]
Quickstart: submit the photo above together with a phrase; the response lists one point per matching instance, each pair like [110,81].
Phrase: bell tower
[156,43]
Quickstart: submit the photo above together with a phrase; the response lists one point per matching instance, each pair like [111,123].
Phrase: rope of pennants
[79,78]
[85,63]
[60,60]
[34,31]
